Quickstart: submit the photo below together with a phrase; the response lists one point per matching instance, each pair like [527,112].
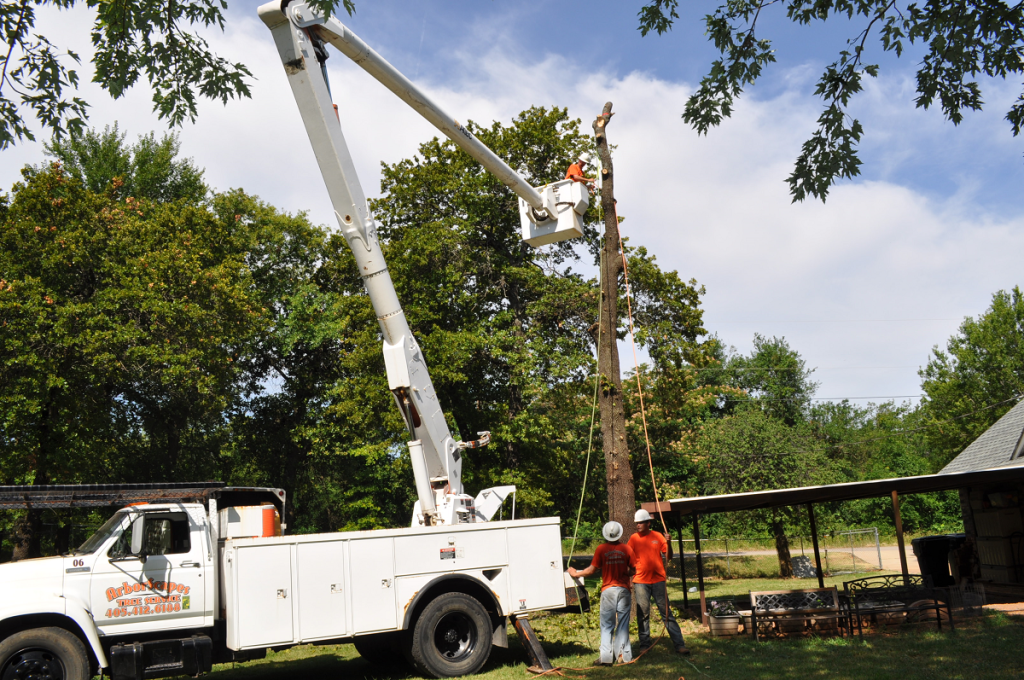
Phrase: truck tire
[44,654]
[382,649]
[452,637]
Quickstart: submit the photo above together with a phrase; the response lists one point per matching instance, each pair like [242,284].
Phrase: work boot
[681,649]
[598,662]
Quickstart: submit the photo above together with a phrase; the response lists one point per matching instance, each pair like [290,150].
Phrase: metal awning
[848,491]
[809,496]
[67,496]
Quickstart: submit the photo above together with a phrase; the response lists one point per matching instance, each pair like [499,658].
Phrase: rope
[590,444]
[639,386]
[559,670]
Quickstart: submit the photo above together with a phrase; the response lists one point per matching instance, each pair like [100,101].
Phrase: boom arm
[300,35]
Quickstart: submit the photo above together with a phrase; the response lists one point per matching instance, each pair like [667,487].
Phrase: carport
[675,511]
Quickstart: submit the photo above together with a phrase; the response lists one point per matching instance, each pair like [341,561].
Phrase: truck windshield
[102,534]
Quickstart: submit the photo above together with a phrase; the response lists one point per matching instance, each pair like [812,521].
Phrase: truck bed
[294,589]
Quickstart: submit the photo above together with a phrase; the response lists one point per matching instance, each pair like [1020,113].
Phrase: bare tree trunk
[27,531]
[621,494]
[782,547]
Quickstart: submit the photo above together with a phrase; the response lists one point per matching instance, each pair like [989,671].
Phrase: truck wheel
[381,649]
[43,654]
[452,637]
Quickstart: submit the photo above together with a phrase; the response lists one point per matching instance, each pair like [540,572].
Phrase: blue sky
[863,286]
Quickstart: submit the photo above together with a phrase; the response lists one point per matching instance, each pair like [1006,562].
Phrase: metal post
[814,541]
[878,545]
[899,537]
[700,568]
[853,555]
[728,562]
[682,563]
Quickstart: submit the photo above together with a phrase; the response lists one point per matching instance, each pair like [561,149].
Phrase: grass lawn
[986,648]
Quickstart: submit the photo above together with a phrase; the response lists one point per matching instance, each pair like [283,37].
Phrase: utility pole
[619,474]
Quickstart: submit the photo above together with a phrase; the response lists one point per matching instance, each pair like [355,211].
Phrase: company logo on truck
[176,599]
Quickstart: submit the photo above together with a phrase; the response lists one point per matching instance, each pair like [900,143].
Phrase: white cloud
[842,281]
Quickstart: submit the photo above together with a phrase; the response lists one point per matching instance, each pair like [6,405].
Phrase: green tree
[751,451]
[122,323]
[775,377]
[977,378]
[963,41]
[148,169]
[509,331]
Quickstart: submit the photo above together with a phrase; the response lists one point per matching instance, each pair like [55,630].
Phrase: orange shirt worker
[615,560]
[575,171]
[650,548]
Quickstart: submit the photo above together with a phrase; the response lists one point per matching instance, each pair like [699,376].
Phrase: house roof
[999,446]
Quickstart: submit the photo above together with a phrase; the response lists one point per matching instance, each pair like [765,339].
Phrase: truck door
[161,589]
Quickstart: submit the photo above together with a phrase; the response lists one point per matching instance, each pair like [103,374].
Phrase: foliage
[155,39]
[148,169]
[962,42]
[881,442]
[122,323]
[775,378]
[750,451]
[977,378]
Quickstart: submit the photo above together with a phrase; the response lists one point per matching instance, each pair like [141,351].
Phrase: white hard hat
[584,158]
[612,531]
[642,516]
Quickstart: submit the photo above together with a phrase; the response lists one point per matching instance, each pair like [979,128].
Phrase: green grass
[986,648]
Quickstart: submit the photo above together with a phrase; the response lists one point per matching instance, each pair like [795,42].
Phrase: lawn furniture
[883,598]
[788,611]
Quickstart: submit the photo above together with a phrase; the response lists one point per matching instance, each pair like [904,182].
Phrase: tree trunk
[28,529]
[782,547]
[621,494]
[27,532]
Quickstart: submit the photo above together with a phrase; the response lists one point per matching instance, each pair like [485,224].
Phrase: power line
[900,433]
[826,398]
[831,321]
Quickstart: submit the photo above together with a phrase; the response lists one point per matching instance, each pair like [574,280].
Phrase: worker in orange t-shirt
[649,547]
[616,561]
[575,171]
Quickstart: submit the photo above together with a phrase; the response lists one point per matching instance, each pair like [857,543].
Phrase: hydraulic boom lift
[548,214]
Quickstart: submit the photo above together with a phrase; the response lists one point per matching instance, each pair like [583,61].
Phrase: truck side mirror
[138,526]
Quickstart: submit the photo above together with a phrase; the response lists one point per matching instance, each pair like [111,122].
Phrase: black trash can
[932,554]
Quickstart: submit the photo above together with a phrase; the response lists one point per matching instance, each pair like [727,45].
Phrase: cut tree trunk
[621,494]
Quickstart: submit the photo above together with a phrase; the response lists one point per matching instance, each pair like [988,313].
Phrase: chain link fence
[846,552]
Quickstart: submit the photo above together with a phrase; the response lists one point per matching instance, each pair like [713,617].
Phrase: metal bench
[793,611]
[895,597]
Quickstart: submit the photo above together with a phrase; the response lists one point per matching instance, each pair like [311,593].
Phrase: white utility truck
[185,575]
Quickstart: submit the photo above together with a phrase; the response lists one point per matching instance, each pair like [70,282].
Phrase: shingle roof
[995,447]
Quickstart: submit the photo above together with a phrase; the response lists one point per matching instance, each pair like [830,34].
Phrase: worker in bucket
[615,560]
[575,171]
[650,547]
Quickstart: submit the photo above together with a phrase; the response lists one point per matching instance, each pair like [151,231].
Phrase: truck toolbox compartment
[161,658]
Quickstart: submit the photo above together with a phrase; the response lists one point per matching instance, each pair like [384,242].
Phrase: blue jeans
[645,592]
[615,605]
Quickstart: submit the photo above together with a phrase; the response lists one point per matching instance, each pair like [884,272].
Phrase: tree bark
[619,474]
[782,547]
[28,529]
